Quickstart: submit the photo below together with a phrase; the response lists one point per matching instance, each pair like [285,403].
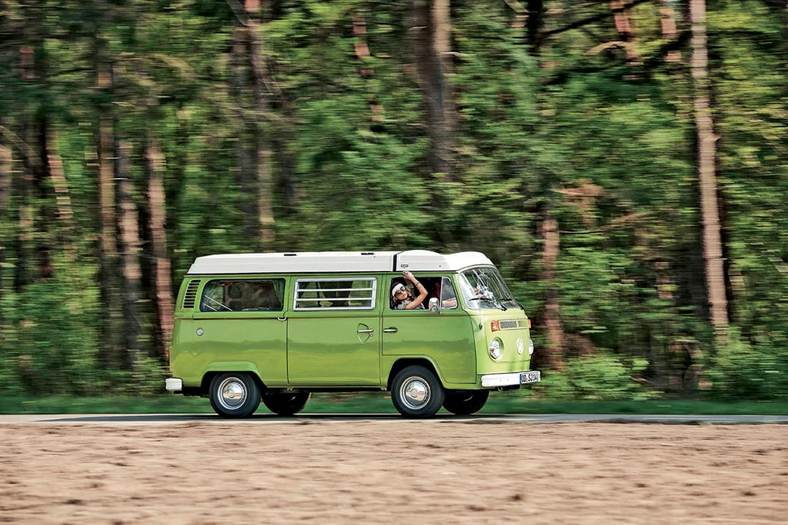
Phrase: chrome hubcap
[232,393]
[415,392]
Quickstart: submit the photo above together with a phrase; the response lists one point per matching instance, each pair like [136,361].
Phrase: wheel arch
[405,362]
[209,375]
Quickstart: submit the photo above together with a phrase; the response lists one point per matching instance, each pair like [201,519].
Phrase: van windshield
[483,288]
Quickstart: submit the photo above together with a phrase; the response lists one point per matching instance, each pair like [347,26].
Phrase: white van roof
[335,262]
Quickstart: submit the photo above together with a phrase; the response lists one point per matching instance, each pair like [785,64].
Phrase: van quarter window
[335,294]
[243,295]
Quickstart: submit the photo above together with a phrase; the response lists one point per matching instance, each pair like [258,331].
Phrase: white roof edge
[334,262]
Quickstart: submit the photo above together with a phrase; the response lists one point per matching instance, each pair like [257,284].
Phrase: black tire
[416,392]
[234,394]
[285,403]
[465,402]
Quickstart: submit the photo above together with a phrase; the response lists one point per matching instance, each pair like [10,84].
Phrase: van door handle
[281,319]
[390,330]
[365,331]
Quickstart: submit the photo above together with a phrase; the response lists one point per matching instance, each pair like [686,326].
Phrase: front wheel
[416,392]
[234,395]
[286,403]
[465,402]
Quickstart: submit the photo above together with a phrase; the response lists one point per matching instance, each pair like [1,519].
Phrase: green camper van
[278,326]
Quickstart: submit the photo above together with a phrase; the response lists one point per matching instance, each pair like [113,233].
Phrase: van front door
[446,339]
[333,333]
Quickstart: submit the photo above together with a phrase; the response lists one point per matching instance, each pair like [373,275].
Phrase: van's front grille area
[510,325]
[190,296]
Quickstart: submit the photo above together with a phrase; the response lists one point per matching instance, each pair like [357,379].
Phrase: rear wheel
[234,394]
[465,402]
[286,403]
[416,392]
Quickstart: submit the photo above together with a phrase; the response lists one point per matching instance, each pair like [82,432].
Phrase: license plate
[529,377]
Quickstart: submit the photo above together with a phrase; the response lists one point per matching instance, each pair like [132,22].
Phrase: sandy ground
[393,472]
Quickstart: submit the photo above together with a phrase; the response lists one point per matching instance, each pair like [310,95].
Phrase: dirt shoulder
[392,471]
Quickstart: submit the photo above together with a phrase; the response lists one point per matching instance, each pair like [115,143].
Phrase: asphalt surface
[165,419]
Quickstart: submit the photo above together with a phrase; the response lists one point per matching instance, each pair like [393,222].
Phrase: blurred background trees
[623,162]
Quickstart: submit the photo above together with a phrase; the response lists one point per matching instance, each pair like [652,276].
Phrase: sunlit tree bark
[162,280]
[65,213]
[668,28]
[553,354]
[131,245]
[712,243]
[5,199]
[626,29]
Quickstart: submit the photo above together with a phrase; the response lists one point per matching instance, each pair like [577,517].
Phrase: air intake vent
[191,295]
[509,325]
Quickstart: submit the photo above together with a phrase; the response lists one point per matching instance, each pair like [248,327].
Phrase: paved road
[160,419]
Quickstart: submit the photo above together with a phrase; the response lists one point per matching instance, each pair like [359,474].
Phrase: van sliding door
[333,332]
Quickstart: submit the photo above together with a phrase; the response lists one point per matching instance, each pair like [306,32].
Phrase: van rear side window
[335,294]
[243,295]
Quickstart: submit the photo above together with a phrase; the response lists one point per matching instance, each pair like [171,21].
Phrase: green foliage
[568,126]
[756,370]
[599,377]
[49,344]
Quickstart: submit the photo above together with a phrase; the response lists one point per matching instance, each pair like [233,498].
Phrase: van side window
[357,293]
[448,295]
[243,295]
[432,284]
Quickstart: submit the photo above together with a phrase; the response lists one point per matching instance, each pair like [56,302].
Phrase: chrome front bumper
[510,379]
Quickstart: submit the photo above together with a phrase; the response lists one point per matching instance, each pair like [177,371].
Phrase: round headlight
[531,347]
[495,349]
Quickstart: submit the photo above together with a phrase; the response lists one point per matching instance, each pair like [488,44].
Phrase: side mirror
[434,305]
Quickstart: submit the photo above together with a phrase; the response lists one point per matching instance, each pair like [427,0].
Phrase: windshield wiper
[490,299]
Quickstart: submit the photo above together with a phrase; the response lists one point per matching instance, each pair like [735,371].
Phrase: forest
[623,162]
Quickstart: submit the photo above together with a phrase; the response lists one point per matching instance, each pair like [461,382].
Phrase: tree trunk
[111,348]
[668,28]
[432,29]
[245,169]
[30,163]
[262,145]
[553,355]
[365,70]
[132,274]
[625,28]
[6,167]
[161,264]
[106,158]
[65,213]
[534,24]
[712,243]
